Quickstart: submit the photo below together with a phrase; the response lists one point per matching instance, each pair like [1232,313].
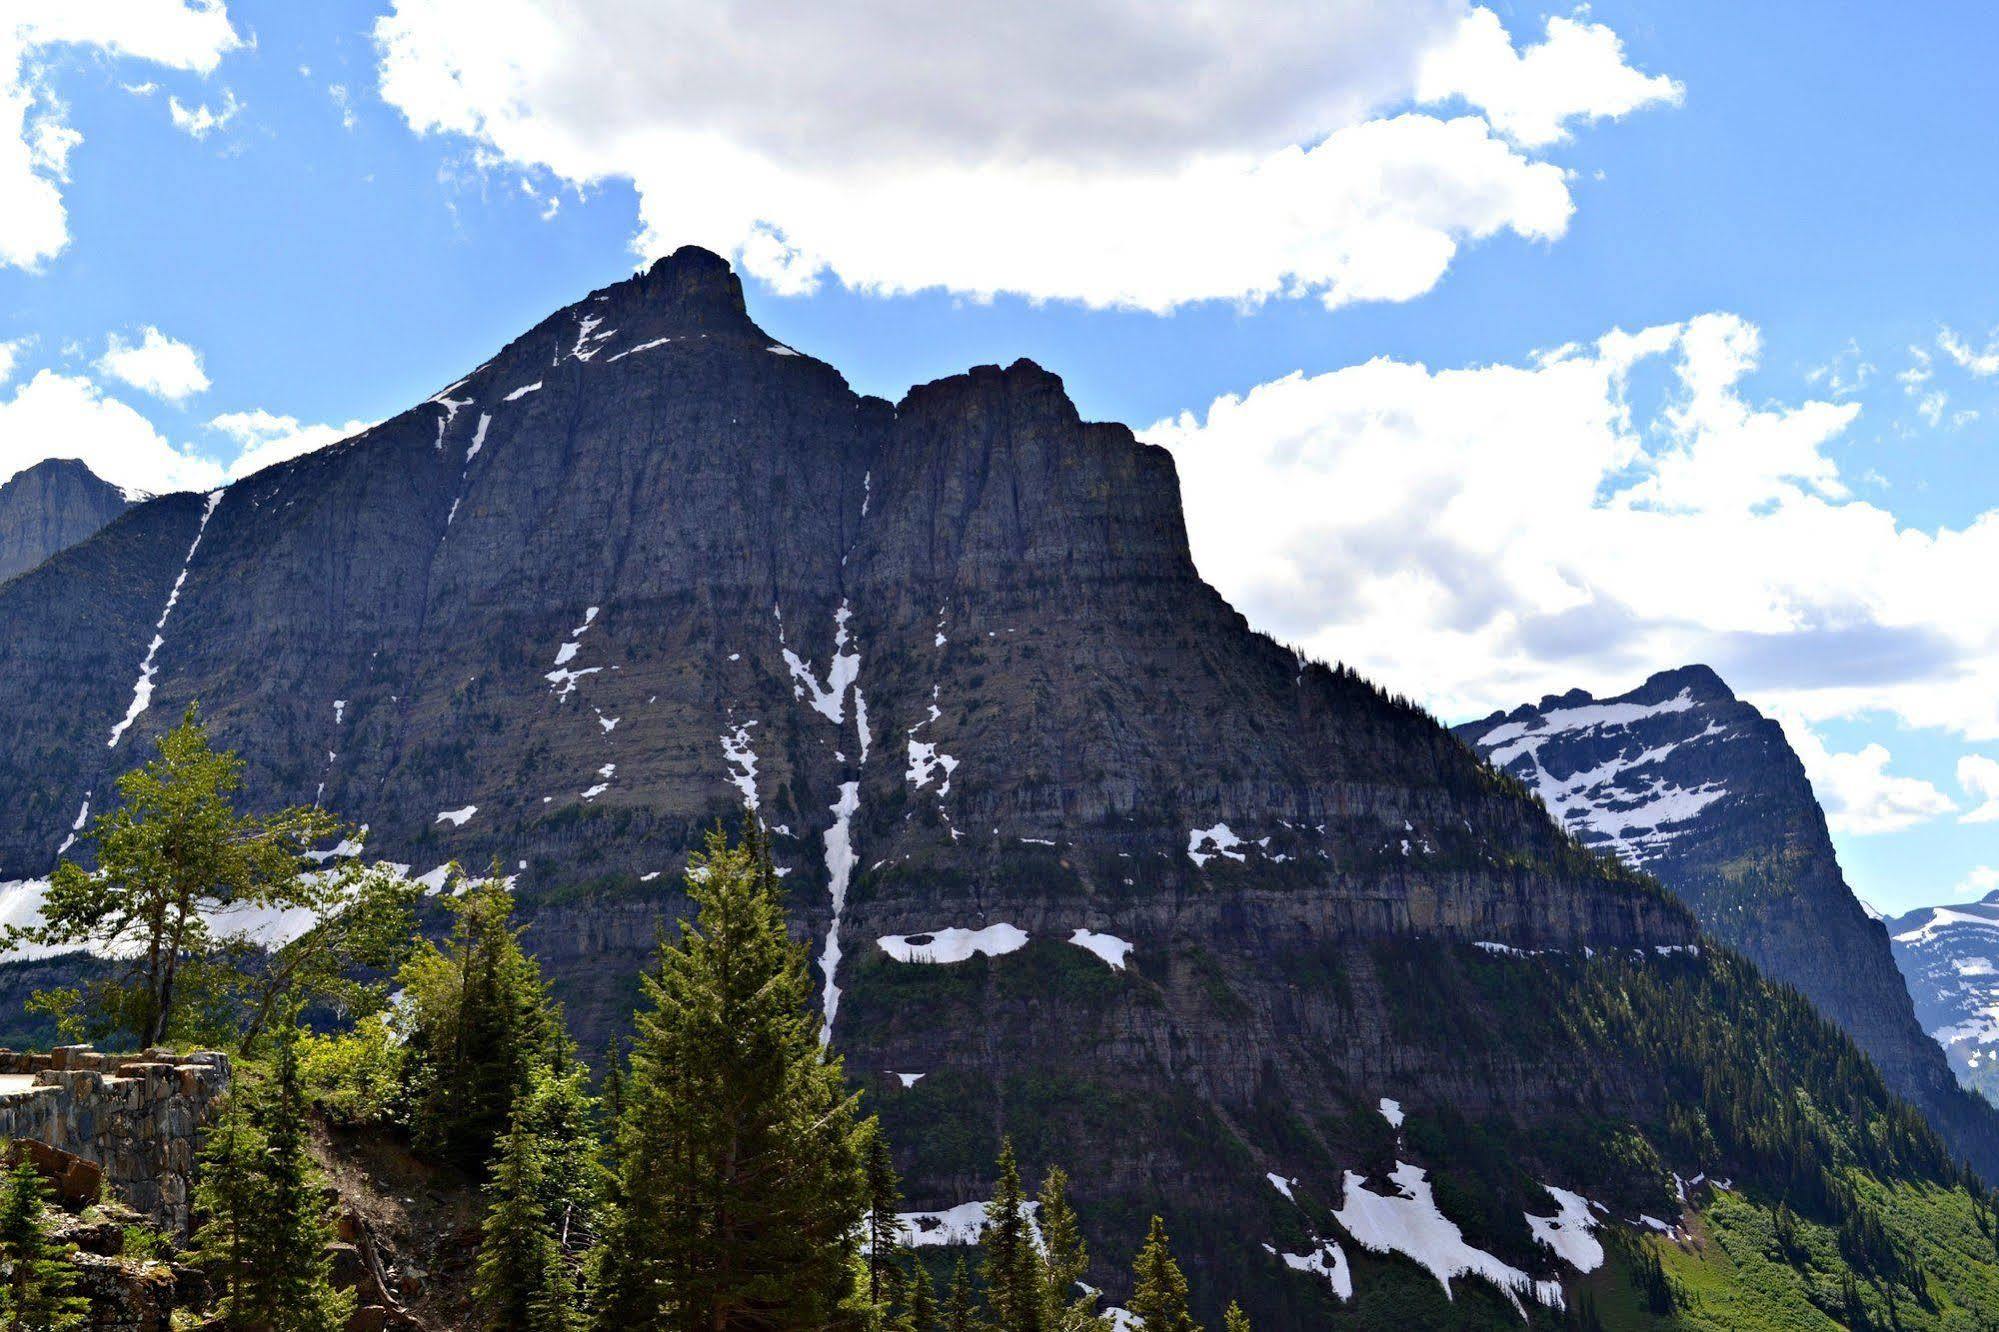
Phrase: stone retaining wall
[136,1116]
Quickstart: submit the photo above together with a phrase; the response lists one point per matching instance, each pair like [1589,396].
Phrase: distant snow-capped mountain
[1950,957]
[1684,780]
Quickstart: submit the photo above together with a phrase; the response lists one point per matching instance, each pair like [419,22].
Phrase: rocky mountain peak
[694,289]
[51,506]
[1681,778]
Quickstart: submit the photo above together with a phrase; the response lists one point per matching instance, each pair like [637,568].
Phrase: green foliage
[36,1283]
[365,922]
[172,852]
[1011,1271]
[354,1077]
[541,1206]
[1159,1288]
[479,1017]
[738,1152]
[884,1232]
[264,1229]
[1067,1306]
[961,1302]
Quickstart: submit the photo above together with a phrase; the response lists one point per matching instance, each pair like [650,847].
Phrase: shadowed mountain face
[1950,957]
[50,507]
[1081,858]
[1685,781]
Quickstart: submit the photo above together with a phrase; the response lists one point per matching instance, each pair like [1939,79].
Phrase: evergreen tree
[266,1232]
[36,1285]
[921,1313]
[1234,1319]
[1067,1305]
[1159,1291]
[961,1302]
[1012,1268]
[480,1018]
[542,1199]
[739,1152]
[170,854]
[884,1231]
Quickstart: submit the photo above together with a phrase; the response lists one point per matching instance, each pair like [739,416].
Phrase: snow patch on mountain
[953,944]
[142,688]
[1408,1222]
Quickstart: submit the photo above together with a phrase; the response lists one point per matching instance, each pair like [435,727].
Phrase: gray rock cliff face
[1683,780]
[50,507]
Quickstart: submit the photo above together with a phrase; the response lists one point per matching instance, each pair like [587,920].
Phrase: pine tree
[961,1302]
[542,1200]
[1068,1305]
[1012,1268]
[36,1285]
[739,1152]
[1234,1319]
[921,1313]
[884,1231]
[266,1231]
[1159,1292]
[481,1017]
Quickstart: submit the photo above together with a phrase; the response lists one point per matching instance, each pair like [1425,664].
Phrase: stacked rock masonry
[135,1117]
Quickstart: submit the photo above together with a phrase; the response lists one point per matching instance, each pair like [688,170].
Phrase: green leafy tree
[265,1232]
[479,1018]
[36,1284]
[171,854]
[1013,1277]
[1159,1291]
[541,1201]
[739,1151]
[365,924]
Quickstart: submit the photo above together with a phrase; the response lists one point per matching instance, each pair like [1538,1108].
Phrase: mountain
[1683,780]
[1950,958]
[50,507]
[1234,935]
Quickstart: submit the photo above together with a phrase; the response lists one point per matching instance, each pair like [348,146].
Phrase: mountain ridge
[1081,858]
[1684,780]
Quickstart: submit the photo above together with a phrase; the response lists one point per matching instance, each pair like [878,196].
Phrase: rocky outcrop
[134,1118]
[1683,780]
[50,507]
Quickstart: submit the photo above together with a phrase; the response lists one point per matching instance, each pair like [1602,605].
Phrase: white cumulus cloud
[35,142]
[1577,73]
[1485,535]
[56,415]
[1094,151]
[263,438]
[1979,882]
[1979,776]
[1858,793]
[157,364]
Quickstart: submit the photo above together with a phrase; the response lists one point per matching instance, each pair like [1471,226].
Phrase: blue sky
[1785,476]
